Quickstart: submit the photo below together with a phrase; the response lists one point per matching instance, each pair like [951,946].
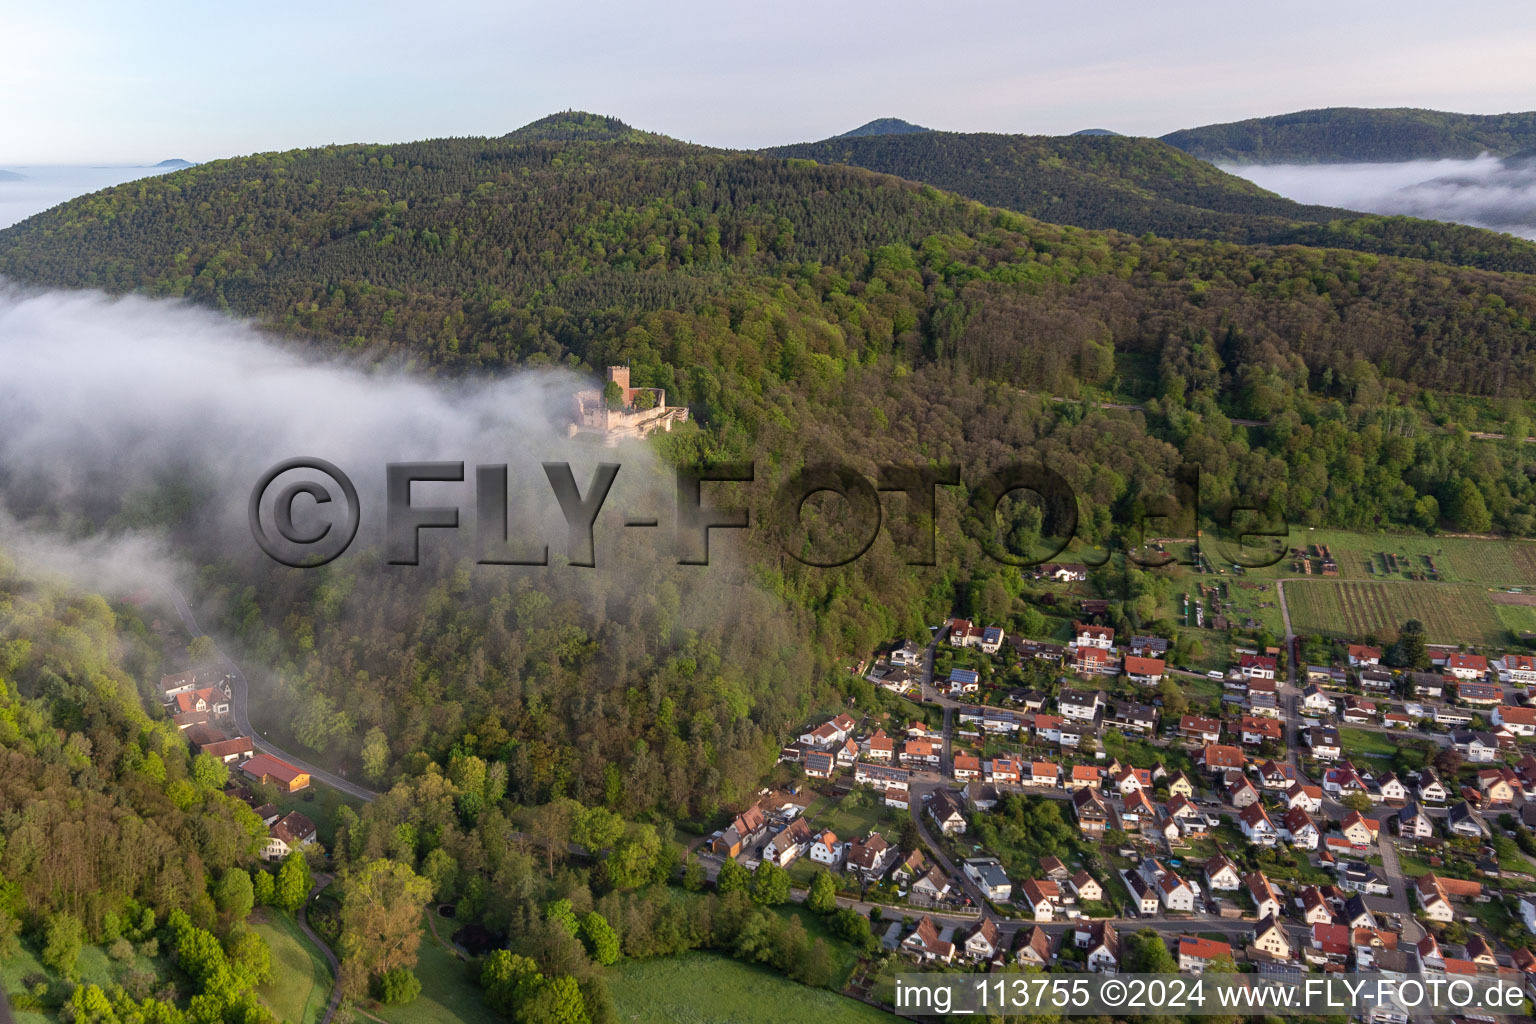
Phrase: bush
[397,987]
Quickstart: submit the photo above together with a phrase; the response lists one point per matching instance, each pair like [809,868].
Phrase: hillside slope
[1141,185]
[477,252]
[1358,135]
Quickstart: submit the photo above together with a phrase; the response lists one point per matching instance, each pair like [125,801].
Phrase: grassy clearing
[301,979]
[707,988]
[1450,613]
[1366,743]
[320,804]
[448,996]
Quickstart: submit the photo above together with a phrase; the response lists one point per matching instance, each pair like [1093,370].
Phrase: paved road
[239,705]
[321,881]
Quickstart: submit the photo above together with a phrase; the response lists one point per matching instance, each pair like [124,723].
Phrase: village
[1277,816]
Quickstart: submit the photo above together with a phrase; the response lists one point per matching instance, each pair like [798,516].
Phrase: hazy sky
[128,81]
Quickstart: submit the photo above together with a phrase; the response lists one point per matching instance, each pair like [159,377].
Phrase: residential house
[944,809]
[1216,758]
[1101,945]
[1359,711]
[933,886]
[1144,671]
[1466,667]
[880,747]
[1086,888]
[1078,705]
[1480,694]
[1033,947]
[1266,900]
[1093,814]
[983,941]
[790,842]
[921,753]
[963,633]
[871,857]
[1430,788]
[1519,669]
[1378,680]
[925,943]
[1314,906]
[1413,823]
[1101,637]
[1256,825]
[1463,820]
[1479,747]
[967,767]
[1324,742]
[1175,893]
[1255,729]
[1520,721]
[1084,776]
[1426,684]
[990,878]
[1298,827]
[1004,771]
[1359,876]
[964,680]
[819,764]
[1256,666]
[1201,730]
[1196,954]
[825,849]
[1498,786]
[1361,656]
[1308,798]
[1043,773]
[291,832]
[882,777]
[1042,896]
[991,639]
[1315,701]
[915,866]
[1240,792]
[1269,937]
[1358,829]
[1391,789]
[1134,718]
[1179,784]
[1220,874]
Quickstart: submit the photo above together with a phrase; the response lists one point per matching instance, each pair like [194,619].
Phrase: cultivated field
[1451,613]
[706,988]
[1362,556]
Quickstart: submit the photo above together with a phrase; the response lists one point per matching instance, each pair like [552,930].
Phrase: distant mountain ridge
[1358,135]
[1141,185]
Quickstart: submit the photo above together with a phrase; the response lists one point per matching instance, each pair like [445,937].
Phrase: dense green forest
[1358,135]
[803,312]
[1145,185]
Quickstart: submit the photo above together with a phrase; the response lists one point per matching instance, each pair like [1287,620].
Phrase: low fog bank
[132,432]
[25,191]
[1486,192]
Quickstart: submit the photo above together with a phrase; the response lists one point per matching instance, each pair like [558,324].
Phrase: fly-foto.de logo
[306,522]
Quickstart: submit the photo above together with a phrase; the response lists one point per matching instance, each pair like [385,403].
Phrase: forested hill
[700,265]
[1358,135]
[884,126]
[1141,185]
